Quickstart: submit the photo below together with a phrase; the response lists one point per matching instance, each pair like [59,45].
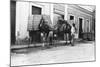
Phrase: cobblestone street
[58,54]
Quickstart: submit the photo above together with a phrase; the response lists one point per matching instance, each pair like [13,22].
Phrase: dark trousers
[72,39]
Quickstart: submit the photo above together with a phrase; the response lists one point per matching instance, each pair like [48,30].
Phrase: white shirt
[72,30]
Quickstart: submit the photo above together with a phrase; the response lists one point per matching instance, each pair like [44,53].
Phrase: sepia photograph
[51,33]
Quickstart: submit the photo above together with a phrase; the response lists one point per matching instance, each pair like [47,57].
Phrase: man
[73,31]
[68,32]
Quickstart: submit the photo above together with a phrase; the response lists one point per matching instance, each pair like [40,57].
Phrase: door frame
[13,24]
[88,24]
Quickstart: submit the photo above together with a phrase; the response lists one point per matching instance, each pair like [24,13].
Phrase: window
[36,10]
[71,17]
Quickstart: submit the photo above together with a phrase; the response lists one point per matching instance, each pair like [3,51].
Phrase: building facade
[82,18]
[22,11]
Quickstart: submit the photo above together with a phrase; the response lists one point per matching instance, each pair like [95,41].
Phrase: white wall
[66,12]
[48,10]
[22,9]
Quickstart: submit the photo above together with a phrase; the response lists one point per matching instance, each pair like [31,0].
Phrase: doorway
[13,21]
[80,27]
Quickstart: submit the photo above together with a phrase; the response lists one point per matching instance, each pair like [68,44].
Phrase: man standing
[73,31]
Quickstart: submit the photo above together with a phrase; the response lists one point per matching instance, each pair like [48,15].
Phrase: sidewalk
[18,46]
[25,46]
[42,44]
